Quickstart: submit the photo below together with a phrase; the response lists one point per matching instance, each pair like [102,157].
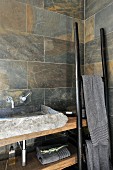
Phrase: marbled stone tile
[89,69]
[73,8]
[89,29]
[21,46]
[80,29]
[92,52]
[94,6]
[110,92]
[43,75]
[50,24]
[60,51]
[37,98]
[61,99]
[104,19]
[13,75]
[12,15]
[38,3]
[96,69]
[110,73]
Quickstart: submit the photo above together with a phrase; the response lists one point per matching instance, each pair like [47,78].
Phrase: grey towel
[97,156]
[95,109]
[50,155]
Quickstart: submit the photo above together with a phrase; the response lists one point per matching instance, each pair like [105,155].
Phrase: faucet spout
[9,99]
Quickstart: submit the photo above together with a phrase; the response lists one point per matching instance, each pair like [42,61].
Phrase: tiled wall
[98,14]
[37,53]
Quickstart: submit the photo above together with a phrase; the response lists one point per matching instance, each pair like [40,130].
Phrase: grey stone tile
[61,99]
[18,46]
[110,92]
[37,98]
[43,75]
[60,51]
[13,75]
[93,51]
[94,6]
[38,3]
[103,19]
[96,69]
[89,29]
[13,15]
[50,24]
[73,8]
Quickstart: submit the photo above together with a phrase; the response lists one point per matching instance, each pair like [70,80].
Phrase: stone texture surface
[37,98]
[38,3]
[61,99]
[18,126]
[50,24]
[47,75]
[60,51]
[96,68]
[94,6]
[73,8]
[12,15]
[93,52]
[103,19]
[89,29]
[13,75]
[16,46]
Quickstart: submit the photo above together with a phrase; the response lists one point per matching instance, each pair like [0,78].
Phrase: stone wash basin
[20,124]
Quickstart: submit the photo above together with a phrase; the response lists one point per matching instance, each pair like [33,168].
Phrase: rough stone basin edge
[25,125]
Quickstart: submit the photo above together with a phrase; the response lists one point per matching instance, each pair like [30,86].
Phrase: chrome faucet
[23,98]
[9,99]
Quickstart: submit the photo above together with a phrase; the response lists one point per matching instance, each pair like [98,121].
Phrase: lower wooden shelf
[34,164]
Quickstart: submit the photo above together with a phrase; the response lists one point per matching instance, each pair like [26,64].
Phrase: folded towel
[50,155]
[97,156]
[95,109]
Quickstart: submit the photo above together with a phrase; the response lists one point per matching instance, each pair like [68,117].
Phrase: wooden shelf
[34,164]
[71,124]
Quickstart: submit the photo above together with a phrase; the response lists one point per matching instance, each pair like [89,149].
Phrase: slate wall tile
[60,51]
[50,24]
[61,99]
[13,75]
[44,75]
[12,15]
[94,6]
[21,46]
[73,8]
[89,29]
[38,3]
[103,19]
